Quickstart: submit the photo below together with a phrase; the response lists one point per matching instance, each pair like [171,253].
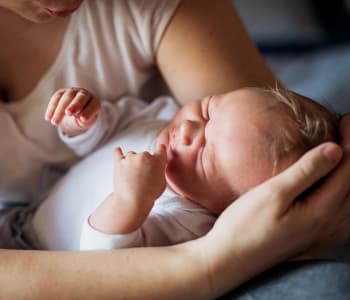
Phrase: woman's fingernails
[332,153]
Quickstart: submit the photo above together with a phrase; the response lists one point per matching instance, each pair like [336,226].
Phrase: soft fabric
[172,220]
[133,125]
[110,49]
[299,280]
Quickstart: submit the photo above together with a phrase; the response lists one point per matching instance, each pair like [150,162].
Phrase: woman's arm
[140,273]
[206,50]
[264,227]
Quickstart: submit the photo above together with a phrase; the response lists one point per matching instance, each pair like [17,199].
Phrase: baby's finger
[65,100]
[90,110]
[161,152]
[80,100]
[54,100]
[119,153]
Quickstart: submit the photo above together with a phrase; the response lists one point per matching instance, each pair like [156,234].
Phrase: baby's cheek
[250,177]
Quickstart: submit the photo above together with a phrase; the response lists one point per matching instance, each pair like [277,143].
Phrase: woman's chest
[26,57]
[21,68]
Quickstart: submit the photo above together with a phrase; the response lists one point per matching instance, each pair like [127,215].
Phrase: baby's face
[213,147]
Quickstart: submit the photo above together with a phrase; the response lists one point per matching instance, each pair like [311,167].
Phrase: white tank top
[109,48]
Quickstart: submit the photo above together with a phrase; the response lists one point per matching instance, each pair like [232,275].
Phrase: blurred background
[306,43]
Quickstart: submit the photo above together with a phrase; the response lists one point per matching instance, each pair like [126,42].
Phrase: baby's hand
[139,179]
[73,109]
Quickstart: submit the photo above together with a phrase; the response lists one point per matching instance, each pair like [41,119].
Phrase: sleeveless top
[109,48]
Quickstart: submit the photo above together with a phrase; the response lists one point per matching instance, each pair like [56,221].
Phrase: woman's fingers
[335,189]
[310,168]
[340,180]
[345,131]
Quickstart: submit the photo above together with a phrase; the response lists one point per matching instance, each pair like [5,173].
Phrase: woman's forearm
[184,271]
[174,272]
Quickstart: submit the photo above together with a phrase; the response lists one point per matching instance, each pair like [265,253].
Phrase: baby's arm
[73,109]
[139,179]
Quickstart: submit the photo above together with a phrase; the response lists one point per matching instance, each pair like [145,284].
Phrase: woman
[113,48]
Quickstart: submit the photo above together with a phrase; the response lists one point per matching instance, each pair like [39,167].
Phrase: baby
[212,151]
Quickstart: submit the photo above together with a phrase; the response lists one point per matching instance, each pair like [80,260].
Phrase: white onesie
[133,125]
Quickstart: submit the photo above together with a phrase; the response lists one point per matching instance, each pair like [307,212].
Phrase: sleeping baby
[209,153]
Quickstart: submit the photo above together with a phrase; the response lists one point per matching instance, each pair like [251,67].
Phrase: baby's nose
[189,132]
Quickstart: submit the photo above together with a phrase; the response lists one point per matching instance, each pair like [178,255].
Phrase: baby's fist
[73,109]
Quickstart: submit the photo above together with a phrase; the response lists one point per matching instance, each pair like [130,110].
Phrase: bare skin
[21,67]
[181,271]
[219,52]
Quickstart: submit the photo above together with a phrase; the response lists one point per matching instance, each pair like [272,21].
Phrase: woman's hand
[342,232]
[139,179]
[73,109]
[277,219]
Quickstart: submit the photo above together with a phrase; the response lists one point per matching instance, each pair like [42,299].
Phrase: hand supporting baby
[73,109]
[139,179]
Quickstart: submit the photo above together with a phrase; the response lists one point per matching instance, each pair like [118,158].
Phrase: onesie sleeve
[86,142]
[172,220]
[92,239]
[112,118]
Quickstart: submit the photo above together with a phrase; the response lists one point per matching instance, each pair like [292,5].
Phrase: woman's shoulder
[149,16]
[123,8]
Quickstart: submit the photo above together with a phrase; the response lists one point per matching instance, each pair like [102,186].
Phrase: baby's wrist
[117,216]
[72,130]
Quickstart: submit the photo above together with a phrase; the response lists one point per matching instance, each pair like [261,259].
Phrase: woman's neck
[14,26]
[31,48]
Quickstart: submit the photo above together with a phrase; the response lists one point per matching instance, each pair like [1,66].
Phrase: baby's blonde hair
[307,124]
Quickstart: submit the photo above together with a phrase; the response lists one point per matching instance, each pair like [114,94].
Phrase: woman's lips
[62,13]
